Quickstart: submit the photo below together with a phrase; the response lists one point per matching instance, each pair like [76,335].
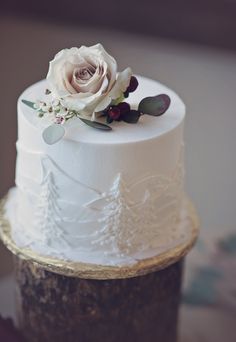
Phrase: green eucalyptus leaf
[53,134]
[154,105]
[28,103]
[131,117]
[95,124]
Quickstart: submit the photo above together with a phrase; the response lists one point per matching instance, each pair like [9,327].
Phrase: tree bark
[58,308]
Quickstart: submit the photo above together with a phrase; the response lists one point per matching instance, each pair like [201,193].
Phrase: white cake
[99,197]
[103,197]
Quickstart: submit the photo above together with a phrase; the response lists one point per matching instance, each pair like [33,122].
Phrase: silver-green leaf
[53,134]
[154,105]
[97,125]
[29,103]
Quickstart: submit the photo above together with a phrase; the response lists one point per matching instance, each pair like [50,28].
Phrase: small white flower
[56,108]
[63,111]
[39,105]
[48,108]
[55,102]
[59,120]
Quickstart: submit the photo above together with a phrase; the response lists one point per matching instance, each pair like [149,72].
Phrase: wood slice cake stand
[62,301]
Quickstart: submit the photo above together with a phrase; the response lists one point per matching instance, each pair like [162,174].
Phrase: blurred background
[191,47]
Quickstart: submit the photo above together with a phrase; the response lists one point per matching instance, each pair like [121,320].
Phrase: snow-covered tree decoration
[119,217]
[128,212]
[48,210]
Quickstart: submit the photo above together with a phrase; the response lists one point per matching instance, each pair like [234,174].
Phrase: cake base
[58,308]
[72,301]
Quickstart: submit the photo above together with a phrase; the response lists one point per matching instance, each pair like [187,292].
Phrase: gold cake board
[96,271]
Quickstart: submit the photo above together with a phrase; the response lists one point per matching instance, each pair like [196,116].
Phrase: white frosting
[99,197]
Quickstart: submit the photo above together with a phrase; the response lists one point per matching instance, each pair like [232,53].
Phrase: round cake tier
[99,197]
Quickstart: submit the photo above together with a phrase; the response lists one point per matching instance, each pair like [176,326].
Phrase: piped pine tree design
[48,210]
[119,218]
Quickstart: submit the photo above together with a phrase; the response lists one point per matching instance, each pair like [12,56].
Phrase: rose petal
[121,83]
[98,50]
[103,104]
[54,76]
[93,84]
[67,72]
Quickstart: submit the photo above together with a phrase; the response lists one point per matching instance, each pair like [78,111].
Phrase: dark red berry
[132,116]
[114,113]
[133,84]
[124,107]
[126,94]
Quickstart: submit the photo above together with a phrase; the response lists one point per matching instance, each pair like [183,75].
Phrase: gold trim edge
[102,272]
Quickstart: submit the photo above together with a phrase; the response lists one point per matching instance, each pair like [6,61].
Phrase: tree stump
[53,307]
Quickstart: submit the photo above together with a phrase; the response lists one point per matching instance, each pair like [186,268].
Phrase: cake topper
[84,83]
